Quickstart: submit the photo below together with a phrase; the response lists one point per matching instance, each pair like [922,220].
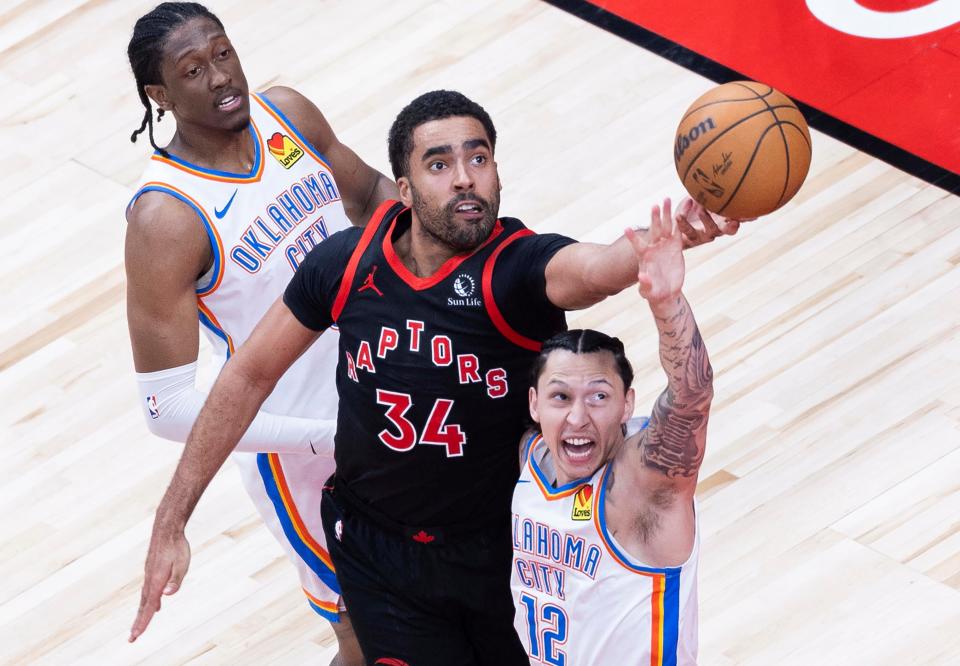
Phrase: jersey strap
[495,315]
[389,209]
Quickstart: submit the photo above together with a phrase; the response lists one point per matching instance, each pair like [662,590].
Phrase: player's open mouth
[229,103]
[578,449]
[469,209]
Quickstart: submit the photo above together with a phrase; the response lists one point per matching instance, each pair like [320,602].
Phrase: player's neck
[422,253]
[231,151]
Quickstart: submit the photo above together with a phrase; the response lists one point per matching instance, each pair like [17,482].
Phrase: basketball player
[440,307]
[222,217]
[604,528]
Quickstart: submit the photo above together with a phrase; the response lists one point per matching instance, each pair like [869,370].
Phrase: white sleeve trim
[171,402]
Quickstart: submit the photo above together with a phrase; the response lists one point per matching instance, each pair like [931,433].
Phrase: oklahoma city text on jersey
[555,552]
[293,205]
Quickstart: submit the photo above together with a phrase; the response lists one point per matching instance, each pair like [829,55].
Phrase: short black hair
[584,341]
[434,105]
[145,50]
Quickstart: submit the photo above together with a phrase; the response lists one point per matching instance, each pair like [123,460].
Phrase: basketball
[742,149]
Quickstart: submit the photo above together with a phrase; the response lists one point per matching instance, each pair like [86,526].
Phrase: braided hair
[145,52]
[584,341]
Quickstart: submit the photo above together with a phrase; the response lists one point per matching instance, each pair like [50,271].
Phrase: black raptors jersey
[433,372]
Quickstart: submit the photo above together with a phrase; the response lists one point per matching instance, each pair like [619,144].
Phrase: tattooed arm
[674,442]
[650,492]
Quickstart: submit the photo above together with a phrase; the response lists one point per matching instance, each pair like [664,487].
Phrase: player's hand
[167,563]
[660,255]
[699,226]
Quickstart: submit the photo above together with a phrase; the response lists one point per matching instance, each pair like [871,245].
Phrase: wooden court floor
[830,494]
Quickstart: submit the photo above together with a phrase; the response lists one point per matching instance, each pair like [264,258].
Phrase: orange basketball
[742,149]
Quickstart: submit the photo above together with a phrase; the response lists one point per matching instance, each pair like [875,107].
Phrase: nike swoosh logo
[220,213]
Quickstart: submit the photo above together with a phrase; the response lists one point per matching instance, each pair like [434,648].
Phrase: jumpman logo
[368,282]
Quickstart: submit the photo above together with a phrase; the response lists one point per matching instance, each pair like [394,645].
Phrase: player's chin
[235,120]
[240,122]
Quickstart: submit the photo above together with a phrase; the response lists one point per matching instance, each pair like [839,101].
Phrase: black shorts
[426,596]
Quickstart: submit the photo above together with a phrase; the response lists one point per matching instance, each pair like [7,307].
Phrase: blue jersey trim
[224,174]
[207,226]
[528,446]
[316,565]
[293,128]
[325,614]
[602,519]
[671,617]
[546,483]
[219,332]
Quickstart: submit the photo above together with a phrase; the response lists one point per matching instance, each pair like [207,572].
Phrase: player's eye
[224,54]
[437,166]
[479,159]
[559,396]
[193,72]
[599,396]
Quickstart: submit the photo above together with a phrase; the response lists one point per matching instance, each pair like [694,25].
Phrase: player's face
[580,403]
[203,82]
[453,186]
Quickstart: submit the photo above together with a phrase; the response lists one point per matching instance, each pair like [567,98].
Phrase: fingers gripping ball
[742,149]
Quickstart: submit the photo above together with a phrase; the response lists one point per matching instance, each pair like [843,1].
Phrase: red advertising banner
[890,68]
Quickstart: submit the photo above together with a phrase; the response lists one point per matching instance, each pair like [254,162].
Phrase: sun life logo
[464,285]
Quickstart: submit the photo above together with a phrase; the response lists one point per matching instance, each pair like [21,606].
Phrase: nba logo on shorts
[338,530]
[152,407]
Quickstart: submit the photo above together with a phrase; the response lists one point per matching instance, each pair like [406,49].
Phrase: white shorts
[286,489]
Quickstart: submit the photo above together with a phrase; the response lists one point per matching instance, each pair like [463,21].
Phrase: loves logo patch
[583,503]
[284,149]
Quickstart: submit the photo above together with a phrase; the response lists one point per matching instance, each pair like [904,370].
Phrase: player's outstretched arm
[166,251]
[673,443]
[654,475]
[362,187]
[583,274]
[245,382]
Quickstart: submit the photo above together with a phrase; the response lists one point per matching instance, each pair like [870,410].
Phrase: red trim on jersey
[449,266]
[368,233]
[495,316]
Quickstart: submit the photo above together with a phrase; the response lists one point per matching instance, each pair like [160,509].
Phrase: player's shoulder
[157,213]
[284,97]
[525,243]
[512,224]
[335,251]
[300,111]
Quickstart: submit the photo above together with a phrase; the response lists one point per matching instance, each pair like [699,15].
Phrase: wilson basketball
[742,149]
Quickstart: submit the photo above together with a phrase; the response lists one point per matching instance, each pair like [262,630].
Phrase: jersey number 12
[545,640]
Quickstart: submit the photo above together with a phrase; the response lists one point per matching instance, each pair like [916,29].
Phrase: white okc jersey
[261,225]
[580,599]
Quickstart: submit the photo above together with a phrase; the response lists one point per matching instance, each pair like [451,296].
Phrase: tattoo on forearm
[673,443]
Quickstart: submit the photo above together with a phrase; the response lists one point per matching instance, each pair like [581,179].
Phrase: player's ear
[534,412]
[158,93]
[403,184]
[628,405]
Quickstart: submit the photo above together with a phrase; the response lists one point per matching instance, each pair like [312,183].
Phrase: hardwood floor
[829,496]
